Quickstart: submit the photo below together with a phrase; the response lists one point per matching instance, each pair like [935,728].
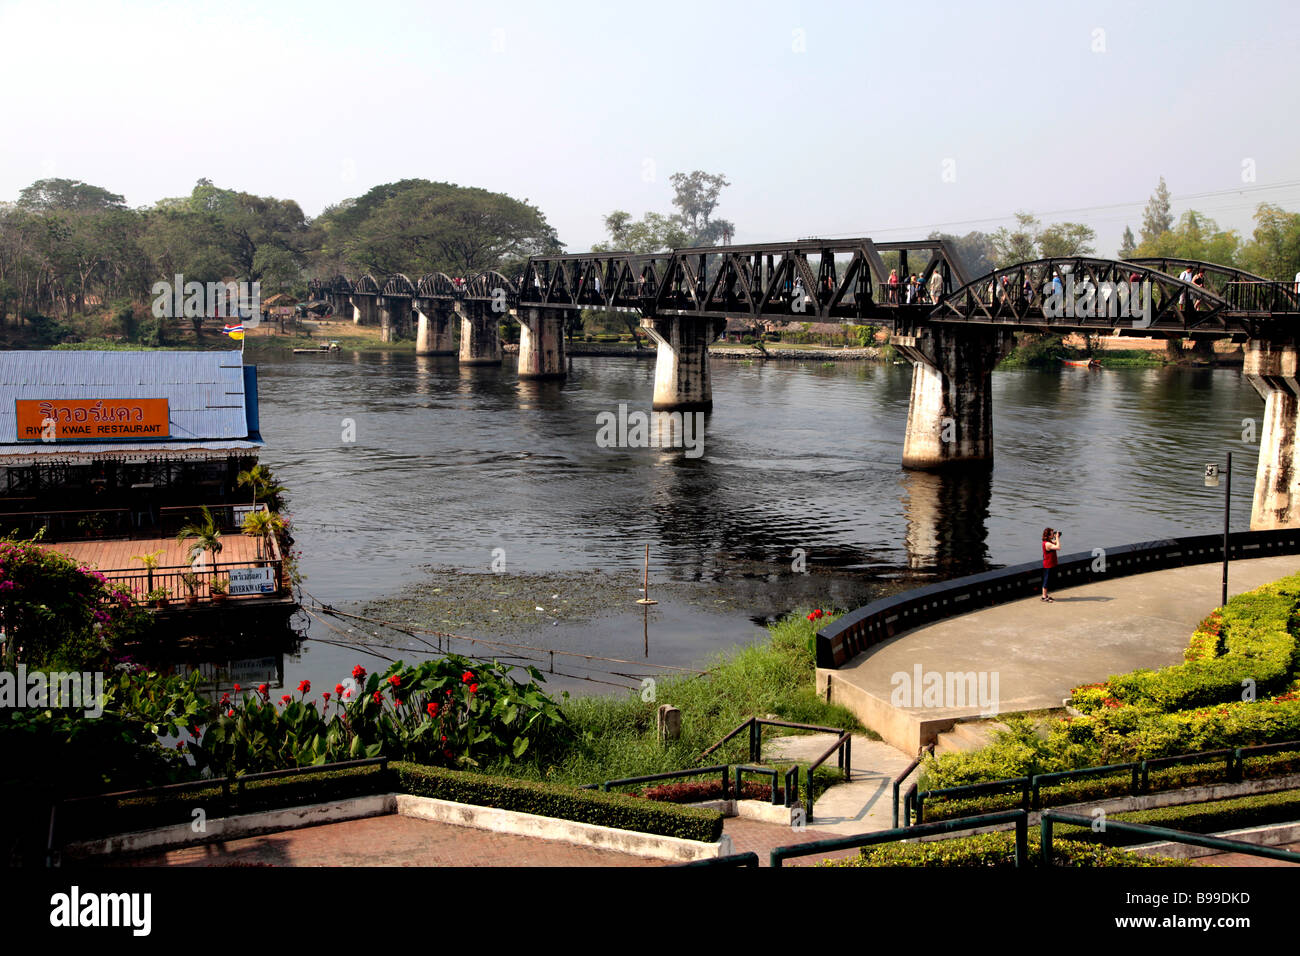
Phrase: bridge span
[954,330]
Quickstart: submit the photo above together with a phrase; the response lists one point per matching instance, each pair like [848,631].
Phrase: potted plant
[191,582]
[150,562]
[158,597]
[92,525]
[218,587]
[201,536]
[262,525]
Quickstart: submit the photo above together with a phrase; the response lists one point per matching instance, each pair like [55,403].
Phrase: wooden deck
[107,554]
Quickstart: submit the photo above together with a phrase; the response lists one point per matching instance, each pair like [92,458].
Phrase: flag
[236,332]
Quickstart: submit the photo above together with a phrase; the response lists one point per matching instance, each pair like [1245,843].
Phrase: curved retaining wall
[855,632]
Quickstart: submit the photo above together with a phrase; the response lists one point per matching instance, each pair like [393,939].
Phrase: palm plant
[263,483]
[261,525]
[202,536]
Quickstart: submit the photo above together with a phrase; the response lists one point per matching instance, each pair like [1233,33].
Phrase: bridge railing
[854,632]
[1262,296]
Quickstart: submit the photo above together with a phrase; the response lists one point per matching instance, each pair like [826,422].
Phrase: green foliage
[565,803]
[1036,351]
[996,851]
[202,535]
[616,737]
[59,615]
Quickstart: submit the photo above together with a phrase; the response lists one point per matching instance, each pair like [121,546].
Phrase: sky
[829,119]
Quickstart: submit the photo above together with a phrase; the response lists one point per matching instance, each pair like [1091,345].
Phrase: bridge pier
[433,334]
[480,335]
[394,312]
[950,418]
[682,363]
[541,343]
[365,310]
[1273,368]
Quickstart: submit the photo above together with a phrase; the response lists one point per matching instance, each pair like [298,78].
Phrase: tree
[695,195]
[1274,248]
[1194,237]
[202,536]
[1066,239]
[1018,245]
[70,195]
[1127,244]
[974,251]
[651,233]
[1157,219]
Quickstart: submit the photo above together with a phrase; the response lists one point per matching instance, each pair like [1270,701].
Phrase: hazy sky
[829,119]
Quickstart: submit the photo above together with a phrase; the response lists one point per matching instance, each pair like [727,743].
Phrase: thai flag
[236,332]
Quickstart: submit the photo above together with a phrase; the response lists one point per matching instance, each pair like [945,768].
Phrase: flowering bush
[438,712]
[59,615]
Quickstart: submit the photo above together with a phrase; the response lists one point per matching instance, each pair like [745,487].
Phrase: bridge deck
[1041,651]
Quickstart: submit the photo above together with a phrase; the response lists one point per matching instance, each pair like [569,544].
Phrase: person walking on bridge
[1051,545]
[936,287]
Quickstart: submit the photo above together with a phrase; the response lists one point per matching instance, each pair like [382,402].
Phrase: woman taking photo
[1051,545]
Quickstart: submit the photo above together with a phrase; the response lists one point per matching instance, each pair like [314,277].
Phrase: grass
[616,736]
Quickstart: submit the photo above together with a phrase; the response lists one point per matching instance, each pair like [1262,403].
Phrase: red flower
[261,689]
[395,681]
[326,695]
[432,709]
[196,732]
[236,688]
[378,697]
[180,745]
[304,687]
[285,699]
[473,688]
[230,713]
[359,672]
[466,677]
[348,694]
[338,690]
[444,738]
[225,697]
[447,753]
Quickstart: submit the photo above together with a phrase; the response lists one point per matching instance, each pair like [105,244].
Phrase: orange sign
[92,419]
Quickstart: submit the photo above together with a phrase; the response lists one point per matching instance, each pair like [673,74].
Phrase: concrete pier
[682,380]
[365,310]
[480,334]
[541,343]
[433,333]
[394,316]
[950,419]
[1271,367]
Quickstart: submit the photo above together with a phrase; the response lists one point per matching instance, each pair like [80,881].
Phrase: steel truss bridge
[847,281]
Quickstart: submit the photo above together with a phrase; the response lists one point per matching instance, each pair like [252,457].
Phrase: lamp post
[1212,481]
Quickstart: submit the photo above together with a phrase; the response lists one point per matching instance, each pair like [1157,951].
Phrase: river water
[447,464]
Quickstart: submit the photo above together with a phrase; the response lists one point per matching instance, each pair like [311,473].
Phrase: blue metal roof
[207,401]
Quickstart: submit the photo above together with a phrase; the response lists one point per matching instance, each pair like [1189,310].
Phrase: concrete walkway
[862,805]
[1039,651]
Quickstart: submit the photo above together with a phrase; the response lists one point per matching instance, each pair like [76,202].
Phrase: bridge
[954,331]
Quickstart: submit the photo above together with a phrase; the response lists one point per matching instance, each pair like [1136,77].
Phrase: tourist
[893,286]
[1051,545]
[936,286]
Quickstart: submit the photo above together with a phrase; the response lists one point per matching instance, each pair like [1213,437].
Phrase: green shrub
[617,810]
[996,851]
[1213,816]
[110,815]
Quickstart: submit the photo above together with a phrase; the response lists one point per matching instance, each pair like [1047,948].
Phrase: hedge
[617,810]
[105,816]
[1114,785]
[1254,632]
[1214,816]
[995,851]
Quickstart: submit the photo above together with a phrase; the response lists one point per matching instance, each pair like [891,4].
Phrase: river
[447,464]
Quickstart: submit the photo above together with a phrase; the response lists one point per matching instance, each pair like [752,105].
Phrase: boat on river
[1081,363]
[319,350]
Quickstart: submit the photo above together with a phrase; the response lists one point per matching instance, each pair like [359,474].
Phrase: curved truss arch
[437,285]
[1092,294]
[485,286]
[366,285]
[399,285]
[339,285]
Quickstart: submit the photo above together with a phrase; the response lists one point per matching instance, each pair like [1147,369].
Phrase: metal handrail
[1144,829]
[845,747]
[671,775]
[907,772]
[1019,817]
[747,859]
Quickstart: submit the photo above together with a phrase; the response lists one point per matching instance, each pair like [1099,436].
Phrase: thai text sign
[252,581]
[92,419]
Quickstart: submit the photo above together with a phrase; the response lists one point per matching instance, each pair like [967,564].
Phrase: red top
[1049,557]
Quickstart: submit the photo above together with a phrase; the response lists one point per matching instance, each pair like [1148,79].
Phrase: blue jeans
[1047,577]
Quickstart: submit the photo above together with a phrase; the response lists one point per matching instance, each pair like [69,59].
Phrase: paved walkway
[1040,652]
[862,805]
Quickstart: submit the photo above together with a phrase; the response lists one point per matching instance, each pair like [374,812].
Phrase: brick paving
[387,841]
[1245,859]
[762,838]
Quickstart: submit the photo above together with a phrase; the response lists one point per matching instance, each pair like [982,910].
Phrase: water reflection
[947,520]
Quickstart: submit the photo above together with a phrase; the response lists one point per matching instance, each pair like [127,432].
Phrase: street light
[1212,481]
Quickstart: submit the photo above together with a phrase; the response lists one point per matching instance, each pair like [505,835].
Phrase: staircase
[967,735]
